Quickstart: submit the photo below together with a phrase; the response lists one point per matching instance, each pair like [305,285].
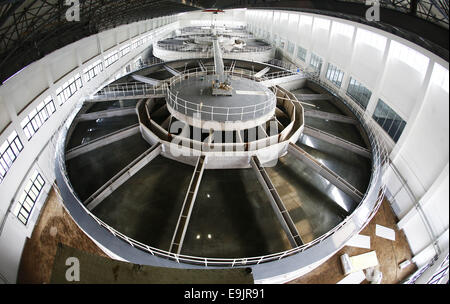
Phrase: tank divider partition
[171,70]
[160,110]
[202,66]
[330,116]
[146,80]
[307,97]
[102,141]
[277,204]
[280,125]
[188,204]
[332,139]
[325,172]
[120,178]
[106,114]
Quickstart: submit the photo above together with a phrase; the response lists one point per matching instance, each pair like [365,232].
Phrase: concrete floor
[86,131]
[110,105]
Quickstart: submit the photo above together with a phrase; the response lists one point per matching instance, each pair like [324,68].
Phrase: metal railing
[150,62]
[216,113]
[373,198]
[207,49]
[129,89]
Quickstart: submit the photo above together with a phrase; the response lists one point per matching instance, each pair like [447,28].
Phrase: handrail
[379,160]
[129,89]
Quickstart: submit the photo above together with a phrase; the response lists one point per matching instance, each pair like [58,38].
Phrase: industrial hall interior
[224,142]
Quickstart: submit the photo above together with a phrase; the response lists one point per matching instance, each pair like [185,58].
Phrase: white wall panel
[134,30]
[122,34]
[292,27]
[436,208]
[320,36]
[304,31]
[340,48]
[427,148]
[107,39]
[401,86]
[366,62]
[62,64]
[34,83]
[88,49]
[417,235]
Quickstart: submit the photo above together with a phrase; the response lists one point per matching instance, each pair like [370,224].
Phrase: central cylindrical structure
[249,104]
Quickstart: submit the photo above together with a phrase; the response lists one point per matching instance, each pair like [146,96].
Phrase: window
[301,53]
[27,200]
[69,88]
[390,121]
[125,50]
[334,75]
[8,153]
[138,42]
[37,117]
[290,48]
[111,58]
[93,70]
[359,93]
[316,62]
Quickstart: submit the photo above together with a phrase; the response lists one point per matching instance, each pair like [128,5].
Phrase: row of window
[334,75]
[93,70]
[68,89]
[12,146]
[315,62]
[387,118]
[9,151]
[290,48]
[29,197]
[301,53]
[37,117]
[111,58]
[125,50]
